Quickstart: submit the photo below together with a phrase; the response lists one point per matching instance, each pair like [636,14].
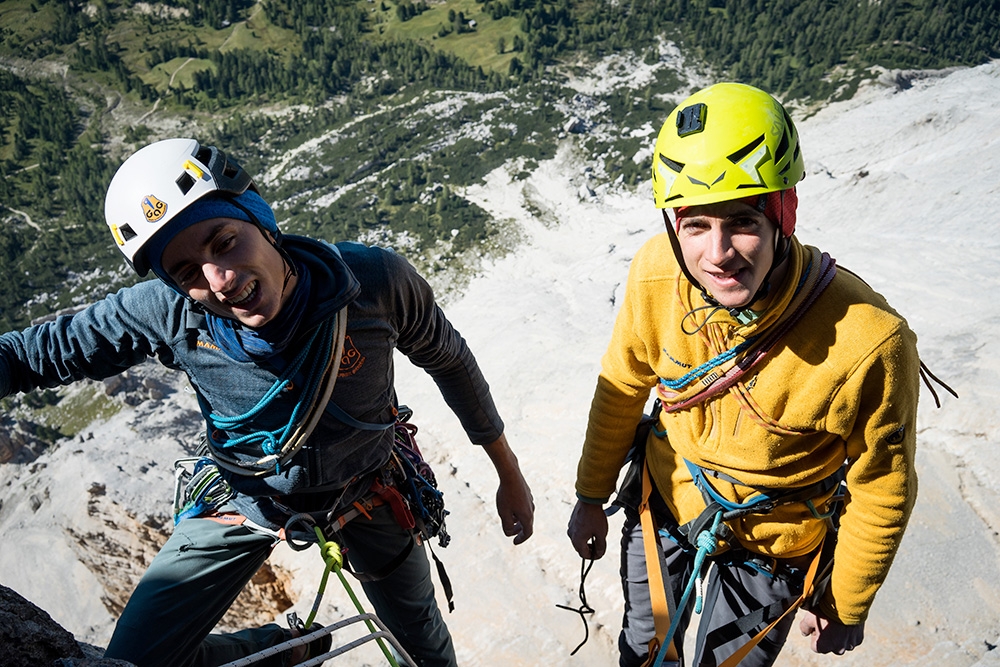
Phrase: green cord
[334,559]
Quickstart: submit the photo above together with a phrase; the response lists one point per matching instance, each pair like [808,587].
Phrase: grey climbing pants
[204,565]
[739,601]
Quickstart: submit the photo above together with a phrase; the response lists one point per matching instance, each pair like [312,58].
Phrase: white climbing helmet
[159,181]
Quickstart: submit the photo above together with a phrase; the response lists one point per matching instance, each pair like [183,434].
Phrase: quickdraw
[416,481]
[199,488]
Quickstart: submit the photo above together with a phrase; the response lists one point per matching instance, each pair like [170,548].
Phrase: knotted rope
[333,559]
[707,542]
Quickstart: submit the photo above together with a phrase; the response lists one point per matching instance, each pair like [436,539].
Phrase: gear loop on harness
[299,520]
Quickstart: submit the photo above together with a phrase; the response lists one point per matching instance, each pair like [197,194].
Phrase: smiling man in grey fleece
[288,342]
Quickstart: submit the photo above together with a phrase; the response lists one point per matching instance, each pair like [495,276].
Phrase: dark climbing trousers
[739,601]
[204,565]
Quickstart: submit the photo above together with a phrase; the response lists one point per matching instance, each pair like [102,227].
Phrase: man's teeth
[244,295]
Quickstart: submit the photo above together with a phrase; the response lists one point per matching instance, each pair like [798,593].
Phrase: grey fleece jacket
[389,306]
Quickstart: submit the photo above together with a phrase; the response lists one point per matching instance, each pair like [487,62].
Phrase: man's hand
[515,504]
[588,530]
[829,636]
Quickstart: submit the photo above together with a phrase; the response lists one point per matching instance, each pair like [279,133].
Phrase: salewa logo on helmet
[756,156]
[667,177]
[153,208]
[749,159]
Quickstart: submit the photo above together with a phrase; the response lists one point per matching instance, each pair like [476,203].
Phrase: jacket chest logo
[351,360]
[678,362]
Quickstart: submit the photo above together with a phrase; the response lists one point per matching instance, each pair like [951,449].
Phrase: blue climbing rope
[271,442]
[703,369]
[718,360]
[707,543]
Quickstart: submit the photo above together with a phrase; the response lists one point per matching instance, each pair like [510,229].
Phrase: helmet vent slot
[185,182]
[739,155]
[786,138]
[673,164]
[127,233]
[779,152]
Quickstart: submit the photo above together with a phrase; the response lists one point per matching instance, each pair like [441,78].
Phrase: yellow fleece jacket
[841,385]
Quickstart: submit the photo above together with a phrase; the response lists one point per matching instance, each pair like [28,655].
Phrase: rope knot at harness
[331,553]
[333,559]
[708,543]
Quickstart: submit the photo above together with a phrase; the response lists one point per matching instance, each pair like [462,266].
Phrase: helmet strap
[274,238]
[781,248]
[679,255]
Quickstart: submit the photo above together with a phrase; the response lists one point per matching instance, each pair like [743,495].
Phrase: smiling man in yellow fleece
[781,380]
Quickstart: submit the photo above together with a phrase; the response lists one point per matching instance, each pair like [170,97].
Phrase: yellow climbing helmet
[725,142]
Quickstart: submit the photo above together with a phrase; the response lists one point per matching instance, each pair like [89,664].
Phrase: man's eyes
[693,226]
[740,224]
[221,244]
[186,277]
[744,223]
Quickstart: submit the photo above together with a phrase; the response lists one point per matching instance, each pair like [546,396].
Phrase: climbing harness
[406,483]
[765,500]
[334,561]
[709,540]
[708,536]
